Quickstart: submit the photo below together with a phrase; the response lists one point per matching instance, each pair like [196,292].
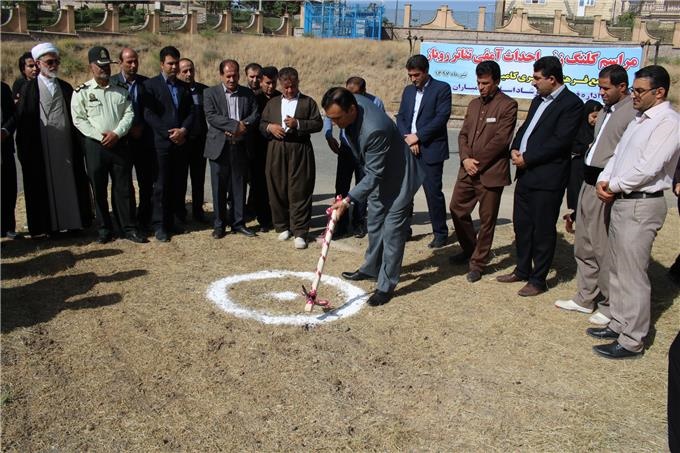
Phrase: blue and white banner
[456,63]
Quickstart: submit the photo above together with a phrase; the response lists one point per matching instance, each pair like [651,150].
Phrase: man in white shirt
[633,182]
[590,242]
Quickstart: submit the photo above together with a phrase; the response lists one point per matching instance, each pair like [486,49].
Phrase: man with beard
[590,241]
[258,198]
[194,163]
[633,182]
[169,112]
[253,76]
[541,151]
[56,189]
[392,176]
[102,111]
[139,140]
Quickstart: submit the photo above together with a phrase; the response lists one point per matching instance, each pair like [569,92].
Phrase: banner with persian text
[455,64]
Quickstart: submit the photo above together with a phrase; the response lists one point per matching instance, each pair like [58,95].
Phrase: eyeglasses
[51,61]
[639,92]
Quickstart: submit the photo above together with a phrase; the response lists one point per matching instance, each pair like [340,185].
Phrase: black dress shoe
[459,258]
[218,233]
[105,238]
[437,243]
[379,298]
[162,236]
[244,231]
[135,236]
[615,351]
[474,276]
[357,276]
[601,333]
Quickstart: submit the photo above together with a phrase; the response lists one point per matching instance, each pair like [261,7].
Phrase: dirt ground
[117,348]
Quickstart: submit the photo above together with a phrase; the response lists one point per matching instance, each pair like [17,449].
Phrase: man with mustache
[102,112]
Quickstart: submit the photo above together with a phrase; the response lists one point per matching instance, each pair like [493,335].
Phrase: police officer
[102,111]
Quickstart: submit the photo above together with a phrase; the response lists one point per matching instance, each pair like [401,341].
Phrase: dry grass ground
[116,348]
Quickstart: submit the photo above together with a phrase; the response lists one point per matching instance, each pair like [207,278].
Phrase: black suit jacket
[137,104]
[8,120]
[548,151]
[160,112]
[200,127]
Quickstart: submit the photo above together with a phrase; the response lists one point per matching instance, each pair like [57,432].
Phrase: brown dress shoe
[530,290]
[508,278]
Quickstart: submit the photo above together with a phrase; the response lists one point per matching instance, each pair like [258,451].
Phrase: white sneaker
[599,319]
[285,235]
[300,243]
[572,306]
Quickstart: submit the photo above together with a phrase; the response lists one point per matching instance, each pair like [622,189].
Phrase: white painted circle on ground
[355,297]
[284,296]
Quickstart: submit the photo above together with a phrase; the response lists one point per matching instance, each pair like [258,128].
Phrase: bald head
[129,63]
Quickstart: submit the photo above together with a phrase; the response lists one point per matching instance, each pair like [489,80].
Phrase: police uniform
[97,109]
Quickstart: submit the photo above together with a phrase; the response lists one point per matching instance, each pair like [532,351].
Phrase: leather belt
[590,174]
[638,195]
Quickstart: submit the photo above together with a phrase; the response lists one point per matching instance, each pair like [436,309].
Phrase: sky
[422,11]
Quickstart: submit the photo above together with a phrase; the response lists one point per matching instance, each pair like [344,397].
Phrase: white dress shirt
[646,157]
[591,149]
[288,107]
[416,107]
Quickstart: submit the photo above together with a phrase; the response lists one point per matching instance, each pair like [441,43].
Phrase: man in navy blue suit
[541,152]
[423,114]
[169,112]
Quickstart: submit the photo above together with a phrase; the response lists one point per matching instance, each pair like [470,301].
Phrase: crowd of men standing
[71,142]
[169,127]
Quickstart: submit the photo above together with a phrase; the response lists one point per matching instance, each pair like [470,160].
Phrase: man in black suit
[423,115]
[541,151]
[9,167]
[231,112]
[139,139]
[169,112]
[194,163]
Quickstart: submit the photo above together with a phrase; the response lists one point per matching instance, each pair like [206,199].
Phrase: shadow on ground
[42,300]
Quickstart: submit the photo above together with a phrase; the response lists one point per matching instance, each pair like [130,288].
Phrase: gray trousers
[387,231]
[591,250]
[633,228]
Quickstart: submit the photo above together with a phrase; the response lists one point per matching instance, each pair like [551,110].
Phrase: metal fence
[338,19]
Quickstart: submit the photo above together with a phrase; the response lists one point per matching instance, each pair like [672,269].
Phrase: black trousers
[144,162]
[436,204]
[192,166]
[348,167]
[228,178]
[535,214]
[674,396]
[258,197]
[115,163]
[167,186]
[8,189]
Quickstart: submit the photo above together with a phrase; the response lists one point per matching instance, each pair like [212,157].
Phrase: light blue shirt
[537,116]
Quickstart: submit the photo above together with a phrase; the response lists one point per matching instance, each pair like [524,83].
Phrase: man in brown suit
[483,144]
[287,122]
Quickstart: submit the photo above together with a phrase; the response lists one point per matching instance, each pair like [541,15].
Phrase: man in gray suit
[591,241]
[392,177]
[231,112]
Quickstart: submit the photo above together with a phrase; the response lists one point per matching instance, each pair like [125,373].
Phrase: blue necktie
[173,92]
